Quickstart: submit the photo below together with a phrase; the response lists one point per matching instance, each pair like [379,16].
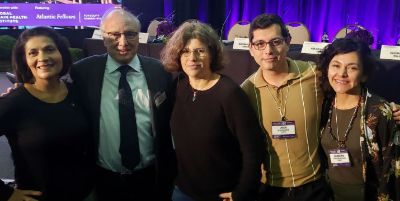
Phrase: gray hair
[120,11]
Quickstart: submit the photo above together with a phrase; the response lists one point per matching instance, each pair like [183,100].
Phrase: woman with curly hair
[217,138]
[359,137]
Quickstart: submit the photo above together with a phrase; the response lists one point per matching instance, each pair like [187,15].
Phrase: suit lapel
[152,89]
[147,73]
[97,76]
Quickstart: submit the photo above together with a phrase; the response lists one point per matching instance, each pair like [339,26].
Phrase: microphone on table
[138,16]
[223,25]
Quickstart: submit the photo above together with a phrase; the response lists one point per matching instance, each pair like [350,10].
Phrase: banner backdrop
[33,14]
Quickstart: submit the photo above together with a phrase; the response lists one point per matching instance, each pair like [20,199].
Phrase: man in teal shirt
[96,79]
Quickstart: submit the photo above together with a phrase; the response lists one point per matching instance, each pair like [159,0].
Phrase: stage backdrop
[381,17]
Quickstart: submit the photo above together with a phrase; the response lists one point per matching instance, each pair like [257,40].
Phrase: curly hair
[361,35]
[19,64]
[171,53]
[344,46]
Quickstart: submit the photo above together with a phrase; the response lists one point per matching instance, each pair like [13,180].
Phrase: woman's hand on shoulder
[396,112]
[24,195]
[10,89]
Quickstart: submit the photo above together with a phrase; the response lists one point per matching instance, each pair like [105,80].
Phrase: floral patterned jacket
[380,148]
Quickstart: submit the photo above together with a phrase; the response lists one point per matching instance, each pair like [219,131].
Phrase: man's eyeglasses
[129,35]
[201,52]
[261,45]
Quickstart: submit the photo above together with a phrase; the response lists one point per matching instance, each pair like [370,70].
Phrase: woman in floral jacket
[359,138]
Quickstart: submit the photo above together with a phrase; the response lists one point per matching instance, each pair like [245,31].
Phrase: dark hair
[266,20]
[21,68]
[361,35]
[344,46]
[170,55]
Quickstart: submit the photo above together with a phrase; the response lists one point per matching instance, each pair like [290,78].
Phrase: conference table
[385,81]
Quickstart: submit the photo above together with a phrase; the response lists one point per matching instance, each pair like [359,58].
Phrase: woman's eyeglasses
[201,52]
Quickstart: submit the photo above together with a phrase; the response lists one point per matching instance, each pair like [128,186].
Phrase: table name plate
[390,52]
[143,37]
[313,47]
[241,44]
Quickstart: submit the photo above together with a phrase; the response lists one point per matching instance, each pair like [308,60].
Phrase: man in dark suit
[96,79]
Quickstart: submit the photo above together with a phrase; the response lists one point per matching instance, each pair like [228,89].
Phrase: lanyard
[281,108]
[341,143]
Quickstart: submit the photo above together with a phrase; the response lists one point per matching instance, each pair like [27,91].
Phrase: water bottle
[378,45]
[325,38]
[398,42]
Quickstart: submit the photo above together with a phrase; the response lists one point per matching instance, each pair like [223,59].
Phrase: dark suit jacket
[87,75]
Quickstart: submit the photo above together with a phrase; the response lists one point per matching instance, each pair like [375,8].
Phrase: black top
[49,143]
[218,141]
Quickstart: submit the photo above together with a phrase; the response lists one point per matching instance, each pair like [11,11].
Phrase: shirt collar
[293,74]
[112,65]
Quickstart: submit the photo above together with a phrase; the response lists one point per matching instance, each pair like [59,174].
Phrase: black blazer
[87,76]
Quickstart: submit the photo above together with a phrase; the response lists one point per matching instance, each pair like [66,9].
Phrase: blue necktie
[129,146]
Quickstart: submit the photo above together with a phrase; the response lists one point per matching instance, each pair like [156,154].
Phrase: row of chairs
[297,30]
[152,28]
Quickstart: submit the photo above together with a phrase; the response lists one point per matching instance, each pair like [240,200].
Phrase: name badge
[159,98]
[339,157]
[283,129]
